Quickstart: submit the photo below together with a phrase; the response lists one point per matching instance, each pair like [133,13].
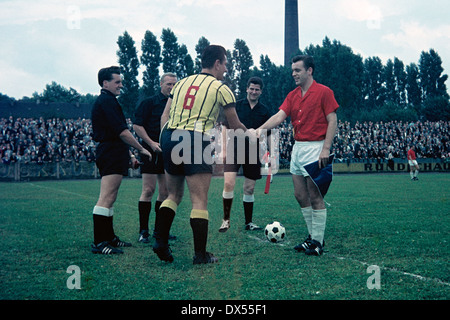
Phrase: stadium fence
[87,170]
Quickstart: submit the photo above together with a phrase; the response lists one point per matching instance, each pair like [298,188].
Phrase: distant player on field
[413,165]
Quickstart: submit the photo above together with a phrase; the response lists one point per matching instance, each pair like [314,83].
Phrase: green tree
[151,60]
[55,92]
[436,108]
[395,82]
[434,91]
[170,50]
[372,85]
[242,62]
[389,81]
[341,70]
[430,72]
[400,81]
[230,75]
[413,91]
[278,82]
[185,64]
[129,64]
[199,47]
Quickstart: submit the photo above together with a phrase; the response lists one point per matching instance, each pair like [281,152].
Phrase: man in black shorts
[191,112]
[147,125]
[252,113]
[113,157]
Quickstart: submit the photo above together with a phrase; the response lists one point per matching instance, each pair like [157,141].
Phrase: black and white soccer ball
[275,232]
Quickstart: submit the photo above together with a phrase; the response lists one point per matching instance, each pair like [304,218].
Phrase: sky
[68,41]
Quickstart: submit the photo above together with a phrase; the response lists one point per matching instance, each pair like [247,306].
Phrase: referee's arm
[129,139]
[232,118]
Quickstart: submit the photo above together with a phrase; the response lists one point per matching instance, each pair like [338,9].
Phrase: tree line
[366,89]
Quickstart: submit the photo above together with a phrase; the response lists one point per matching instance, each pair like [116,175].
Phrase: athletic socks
[103,224]
[144,208]
[164,219]
[227,202]
[157,205]
[307,215]
[199,228]
[319,219]
[315,222]
[248,201]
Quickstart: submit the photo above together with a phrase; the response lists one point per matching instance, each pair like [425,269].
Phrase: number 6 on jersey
[190,97]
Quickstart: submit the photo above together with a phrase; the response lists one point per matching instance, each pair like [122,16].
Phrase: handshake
[255,134]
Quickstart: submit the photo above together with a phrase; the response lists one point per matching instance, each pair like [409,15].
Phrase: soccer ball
[275,232]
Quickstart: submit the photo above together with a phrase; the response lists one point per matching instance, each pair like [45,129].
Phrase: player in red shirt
[413,165]
[312,108]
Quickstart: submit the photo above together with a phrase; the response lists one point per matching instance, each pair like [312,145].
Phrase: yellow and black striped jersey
[196,102]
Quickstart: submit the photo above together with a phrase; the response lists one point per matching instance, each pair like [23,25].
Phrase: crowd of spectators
[380,141]
[30,140]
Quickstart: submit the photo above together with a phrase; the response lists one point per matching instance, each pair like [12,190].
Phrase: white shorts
[303,153]
[412,163]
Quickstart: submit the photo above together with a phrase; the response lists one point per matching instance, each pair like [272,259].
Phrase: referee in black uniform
[113,157]
[252,113]
[147,125]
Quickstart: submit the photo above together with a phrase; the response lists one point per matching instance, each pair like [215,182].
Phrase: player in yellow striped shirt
[191,111]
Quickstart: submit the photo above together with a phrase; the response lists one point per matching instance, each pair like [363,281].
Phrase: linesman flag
[322,177]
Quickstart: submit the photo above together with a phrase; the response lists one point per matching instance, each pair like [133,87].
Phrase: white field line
[416,276]
[63,191]
[394,270]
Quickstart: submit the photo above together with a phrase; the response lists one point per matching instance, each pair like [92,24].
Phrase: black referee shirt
[148,115]
[252,118]
[108,120]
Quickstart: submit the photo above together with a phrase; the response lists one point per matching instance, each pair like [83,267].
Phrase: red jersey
[308,114]
[411,154]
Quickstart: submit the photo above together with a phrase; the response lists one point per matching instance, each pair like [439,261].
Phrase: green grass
[383,220]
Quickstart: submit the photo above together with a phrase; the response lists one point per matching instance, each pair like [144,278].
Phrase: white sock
[228,195]
[101,211]
[307,215]
[319,220]
[411,174]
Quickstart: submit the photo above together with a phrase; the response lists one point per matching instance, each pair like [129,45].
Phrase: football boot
[105,248]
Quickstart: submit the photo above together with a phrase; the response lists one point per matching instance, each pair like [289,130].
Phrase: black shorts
[153,166]
[185,155]
[250,169]
[112,157]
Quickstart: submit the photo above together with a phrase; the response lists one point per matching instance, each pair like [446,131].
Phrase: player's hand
[323,158]
[156,147]
[258,132]
[145,152]
[251,134]
[135,163]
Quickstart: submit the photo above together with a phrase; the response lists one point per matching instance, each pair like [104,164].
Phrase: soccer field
[387,237]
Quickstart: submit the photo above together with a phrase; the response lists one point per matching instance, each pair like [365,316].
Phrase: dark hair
[211,54]
[106,74]
[255,80]
[308,61]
